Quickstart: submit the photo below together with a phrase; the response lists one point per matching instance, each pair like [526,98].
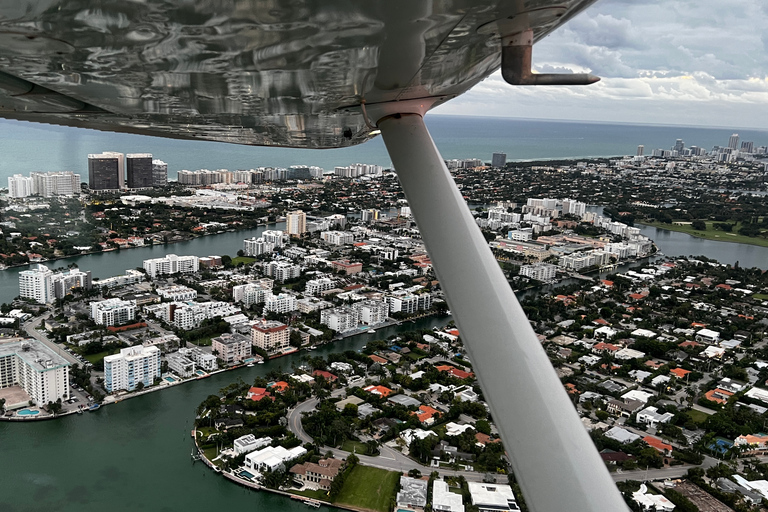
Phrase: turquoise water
[170,379]
[27,412]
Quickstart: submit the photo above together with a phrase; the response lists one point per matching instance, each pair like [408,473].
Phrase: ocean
[26,147]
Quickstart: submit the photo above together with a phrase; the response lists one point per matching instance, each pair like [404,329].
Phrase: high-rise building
[19,186]
[640,150]
[106,171]
[37,284]
[113,311]
[48,184]
[171,264]
[296,223]
[679,146]
[369,215]
[499,160]
[270,335]
[747,147]
[65,282]
[130,367]
[733,141]
[159,173]
[36,369]
[140,170]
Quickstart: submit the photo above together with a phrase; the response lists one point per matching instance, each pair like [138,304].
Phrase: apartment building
[133,365]
[113,311]
[38,370]
[270,335]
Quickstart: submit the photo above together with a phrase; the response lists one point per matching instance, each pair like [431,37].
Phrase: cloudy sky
[700,63]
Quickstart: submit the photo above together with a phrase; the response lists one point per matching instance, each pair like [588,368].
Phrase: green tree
[699,225]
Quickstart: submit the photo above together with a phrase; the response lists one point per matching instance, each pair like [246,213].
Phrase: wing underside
[249,72]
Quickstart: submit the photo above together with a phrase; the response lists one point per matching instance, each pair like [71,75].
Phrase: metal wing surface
[259,72]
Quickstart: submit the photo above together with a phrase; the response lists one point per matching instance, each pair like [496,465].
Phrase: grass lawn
[244,259]
[415,356]
[369,488]
[93,358]
[760,296]
[697,416]
[315,495]
[356,446]
[210,454]
[711,233]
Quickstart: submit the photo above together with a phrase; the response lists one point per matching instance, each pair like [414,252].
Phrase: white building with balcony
[133,365]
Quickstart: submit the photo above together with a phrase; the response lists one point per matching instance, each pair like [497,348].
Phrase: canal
[135,455]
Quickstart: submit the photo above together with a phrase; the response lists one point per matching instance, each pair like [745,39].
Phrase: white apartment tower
[171,264]
[37,284]
[131,366]
[19,186]
[159,173]
[47,184]
[38,370]
[113,311]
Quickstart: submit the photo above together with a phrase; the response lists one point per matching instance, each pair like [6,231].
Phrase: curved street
[394,460]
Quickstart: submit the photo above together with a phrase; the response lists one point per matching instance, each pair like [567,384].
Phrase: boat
[249,365]
[372,331]
[93,407]
[261,362]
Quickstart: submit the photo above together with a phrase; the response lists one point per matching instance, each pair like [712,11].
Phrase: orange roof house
[256,394]
[604,347]
[279,386]
[460,374]
[679,372]
[718,395]
[326,375]
[660,445]
[378,359]
[427,414]
[379,390]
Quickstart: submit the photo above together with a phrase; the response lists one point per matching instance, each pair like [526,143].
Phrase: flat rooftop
[34,353]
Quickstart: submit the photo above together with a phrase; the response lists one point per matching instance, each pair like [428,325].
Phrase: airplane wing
[259,72]
[326,74]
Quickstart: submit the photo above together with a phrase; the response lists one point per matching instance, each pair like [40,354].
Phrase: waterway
[135,455]
[107,264]
[112,263]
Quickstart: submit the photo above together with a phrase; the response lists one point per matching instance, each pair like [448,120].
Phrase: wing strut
[552,455]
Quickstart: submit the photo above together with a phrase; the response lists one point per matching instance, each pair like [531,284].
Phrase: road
[642,475]
[31,329]
[390,458]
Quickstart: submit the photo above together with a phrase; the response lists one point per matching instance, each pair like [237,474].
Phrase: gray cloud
[668,62]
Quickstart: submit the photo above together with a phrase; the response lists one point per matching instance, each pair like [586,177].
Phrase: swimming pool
[170,379]
[27,412]
[246,474]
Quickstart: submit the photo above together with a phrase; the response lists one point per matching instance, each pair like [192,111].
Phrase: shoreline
[258,487]
[736,238]
[118,249]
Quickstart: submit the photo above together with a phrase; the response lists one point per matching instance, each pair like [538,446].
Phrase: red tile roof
[658,444]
